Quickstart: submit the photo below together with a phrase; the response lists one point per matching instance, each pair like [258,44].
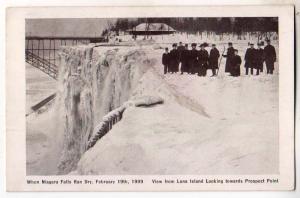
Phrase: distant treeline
[236,25]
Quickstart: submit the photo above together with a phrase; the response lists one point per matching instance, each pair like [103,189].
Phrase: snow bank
[205,125]
[174,139]
[220,125]
[93,82]
[44,133]
[116,115]
[42,139]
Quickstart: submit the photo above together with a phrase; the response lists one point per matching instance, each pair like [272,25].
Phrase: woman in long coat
[229,55]
[236,64]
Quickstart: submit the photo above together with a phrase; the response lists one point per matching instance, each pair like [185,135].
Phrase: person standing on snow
[250,60]
[203,60]
[236,64]
[180,49]
[165,60]
[193,59]
[213,59]
[174,59]
[185,59]
[229,55]
[270,57]
[260,57]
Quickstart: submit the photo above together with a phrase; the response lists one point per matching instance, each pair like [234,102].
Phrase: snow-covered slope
[220,125]
[42,149]
[206,125]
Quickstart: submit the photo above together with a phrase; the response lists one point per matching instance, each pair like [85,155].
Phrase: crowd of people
[195,61]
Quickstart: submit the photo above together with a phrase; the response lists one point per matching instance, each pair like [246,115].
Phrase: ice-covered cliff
[204,126]
[220,125]
[93,81]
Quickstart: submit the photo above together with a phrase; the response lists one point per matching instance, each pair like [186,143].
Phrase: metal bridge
[41,52]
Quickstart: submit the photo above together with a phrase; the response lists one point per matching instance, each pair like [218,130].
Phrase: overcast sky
[66,27]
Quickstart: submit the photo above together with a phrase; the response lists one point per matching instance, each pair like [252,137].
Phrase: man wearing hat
[270,57]
[165,60]
[203,60]
[260,57]
[250,59]
[185,59]
[236,64]
[180,49]
[213,59]
[193,59]
[229,55]
[174,59]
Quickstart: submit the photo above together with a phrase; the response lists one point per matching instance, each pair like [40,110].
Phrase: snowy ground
[220,125]
[38,86]
[41,151]
[237,133]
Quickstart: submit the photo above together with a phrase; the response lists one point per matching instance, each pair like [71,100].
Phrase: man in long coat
[180,49]
[229,55]
[174,59]
[185,60]
[203,60]
[260,57]
[236,64]
[165,60]
[250,59]
[270,57]
[214,59]
[193,59]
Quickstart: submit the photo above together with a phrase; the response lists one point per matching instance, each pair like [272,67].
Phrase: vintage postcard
[150,98]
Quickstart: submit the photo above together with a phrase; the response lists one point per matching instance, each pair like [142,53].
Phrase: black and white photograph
[166,100]
[152,96]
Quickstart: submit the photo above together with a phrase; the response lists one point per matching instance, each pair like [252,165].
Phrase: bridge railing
[42,64]
[41,52]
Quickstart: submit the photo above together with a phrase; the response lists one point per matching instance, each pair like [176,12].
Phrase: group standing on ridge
[195,61]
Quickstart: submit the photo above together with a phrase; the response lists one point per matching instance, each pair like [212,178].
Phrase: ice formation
[93,82]
[115,85]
